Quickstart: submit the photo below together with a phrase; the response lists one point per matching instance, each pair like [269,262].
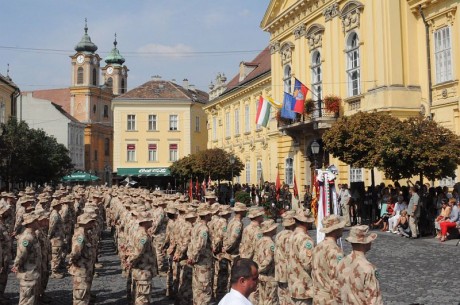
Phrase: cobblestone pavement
[421,271]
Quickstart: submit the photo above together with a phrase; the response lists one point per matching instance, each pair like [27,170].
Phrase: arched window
[316,75]
[106,111]
[123,90]
[110,82]
[353,66]
[94,77]
[289,171]
[107,147]
[80,76]
[287,79]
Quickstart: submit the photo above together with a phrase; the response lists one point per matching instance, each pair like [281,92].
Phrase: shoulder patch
[272,247]
[80,239]
[56,217]
[259,235]
[25,243]
[143,240]
[308,245]
[204,234]
[339,257]
[225,229]
[377,274]
[237,231]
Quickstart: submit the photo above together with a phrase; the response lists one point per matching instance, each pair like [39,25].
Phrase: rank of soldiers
[191,244]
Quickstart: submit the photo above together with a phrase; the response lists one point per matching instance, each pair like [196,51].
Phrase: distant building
[9,93]
[156,124]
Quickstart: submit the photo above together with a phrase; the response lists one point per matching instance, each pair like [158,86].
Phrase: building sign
[144,171]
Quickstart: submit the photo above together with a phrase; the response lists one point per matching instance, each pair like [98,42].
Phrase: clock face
[80,59]
[109,70]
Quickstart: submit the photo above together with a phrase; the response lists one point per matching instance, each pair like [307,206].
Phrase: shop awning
[80,176]
[144,172]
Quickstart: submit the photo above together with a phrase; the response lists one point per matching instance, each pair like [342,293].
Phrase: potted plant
[332,103]
[309,106]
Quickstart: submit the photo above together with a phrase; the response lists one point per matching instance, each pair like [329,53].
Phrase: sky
[176,39]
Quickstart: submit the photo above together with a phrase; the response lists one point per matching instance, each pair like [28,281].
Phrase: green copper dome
[85,44]
[114,57]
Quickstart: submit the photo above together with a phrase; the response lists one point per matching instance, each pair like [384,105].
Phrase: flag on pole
[288,107]
[209,181]
[278,185]
[263,112]
[197,188]
[300,94]
[190,190]
[203,185]
[296,190]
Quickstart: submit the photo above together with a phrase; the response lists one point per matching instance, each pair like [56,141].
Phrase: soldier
[28,261]
[220,276]
[160,221]
[26,203]
[67,223]
[264,257]
[42,235]
[357,278]
[200,257]
[56,237]
[326,256]
[172,215]
[299,261]
[142,261]
[251,233]
[282,247]
[5,244]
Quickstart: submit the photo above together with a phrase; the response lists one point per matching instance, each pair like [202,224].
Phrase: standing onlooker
[307,198]
[345,198]
[244,279]
[357,279]
[414,211]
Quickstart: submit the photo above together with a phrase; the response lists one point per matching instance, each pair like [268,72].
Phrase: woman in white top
[399,206]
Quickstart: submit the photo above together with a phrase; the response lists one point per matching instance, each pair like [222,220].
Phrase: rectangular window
[131,152]
[173,155]
[247,124]
[95,155]
[214,128]
[237,121]
[259,170]
[289,171]
[197,124]
[153,152]
[173,122]
[107,147]
[152,122]
[227,124]
[131,122]
[443,55]
[356,174]
[248,172]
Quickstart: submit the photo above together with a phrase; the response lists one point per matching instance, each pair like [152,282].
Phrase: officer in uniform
[251,233]
[56,237]
[282,247]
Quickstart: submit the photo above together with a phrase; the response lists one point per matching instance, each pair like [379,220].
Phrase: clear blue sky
[165,37]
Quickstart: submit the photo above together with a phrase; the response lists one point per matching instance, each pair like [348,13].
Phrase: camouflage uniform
[250,236]
[282,247]
[27,264]
[326,256]
[199,252]
[358,281]
[184,291]
[46,251]
[220,276]
[5,245]
[299,267]
[82,264]
[264,257]
[232,239]
[167,242]
[56,237]
[160,221]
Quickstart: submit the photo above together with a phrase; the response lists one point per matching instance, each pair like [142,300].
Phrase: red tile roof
[60,97]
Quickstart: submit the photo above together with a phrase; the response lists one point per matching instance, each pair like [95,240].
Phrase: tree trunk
[374,194]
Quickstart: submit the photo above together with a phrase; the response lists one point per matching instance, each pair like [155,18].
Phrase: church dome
[114,57]
[85,44]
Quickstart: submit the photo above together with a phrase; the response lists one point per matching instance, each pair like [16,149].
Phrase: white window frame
[153,153]
[237,121]
[443,54]
[247,120]
[317,75]
[287,79]
[2,111]
[131,153]
[173,153]
[214,128]
[197,124]
[173,122]
[227,124]
[259,170]
[152,122]
[353,65]
[248,171]
[356,174]
[289,171]
[131,122]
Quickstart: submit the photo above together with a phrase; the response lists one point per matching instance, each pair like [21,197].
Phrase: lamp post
[232,162]
[315,151]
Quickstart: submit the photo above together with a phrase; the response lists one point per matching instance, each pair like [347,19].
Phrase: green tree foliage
[30,155]
[243,197]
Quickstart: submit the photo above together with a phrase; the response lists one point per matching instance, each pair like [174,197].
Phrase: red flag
[197,186]
[296,190]
[300,94]
[190,190]
[278,185]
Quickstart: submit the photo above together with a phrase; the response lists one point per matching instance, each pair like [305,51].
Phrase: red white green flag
[263,112]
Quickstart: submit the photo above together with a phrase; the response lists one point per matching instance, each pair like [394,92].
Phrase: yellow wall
[5,100]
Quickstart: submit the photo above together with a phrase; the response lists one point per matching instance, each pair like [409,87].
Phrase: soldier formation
[192,244]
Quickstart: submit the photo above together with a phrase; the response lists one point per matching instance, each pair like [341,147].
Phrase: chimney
[156,77]
[185,83]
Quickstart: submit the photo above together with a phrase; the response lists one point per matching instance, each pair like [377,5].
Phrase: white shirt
[399,207]
[234,298]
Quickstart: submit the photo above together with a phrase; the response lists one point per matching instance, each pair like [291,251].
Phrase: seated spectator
[399,206]
[453,220]
[443,216]
[384,219]
[403,224]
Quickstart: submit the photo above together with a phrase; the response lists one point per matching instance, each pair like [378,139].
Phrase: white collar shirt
[234,297]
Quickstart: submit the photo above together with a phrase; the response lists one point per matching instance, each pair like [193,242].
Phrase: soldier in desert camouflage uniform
[355,275]
[282,247]
[5,244]
[45,246]
[56,237]
[160,221]
[264,257]
[171,213]
[299,261]
[326,256]
[28,261]
[26,202]
[200,257]
[251,233]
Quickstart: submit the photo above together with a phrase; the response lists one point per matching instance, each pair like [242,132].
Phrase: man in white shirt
[244,279]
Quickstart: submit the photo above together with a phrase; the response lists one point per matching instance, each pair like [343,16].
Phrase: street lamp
[232,162]
[315,151]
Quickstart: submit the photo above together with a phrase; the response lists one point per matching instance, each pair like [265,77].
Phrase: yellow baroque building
[156,124]
[231,116]
[9,93]
[372,54]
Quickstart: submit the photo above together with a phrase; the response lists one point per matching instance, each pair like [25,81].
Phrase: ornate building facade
[9,93]
[372,54]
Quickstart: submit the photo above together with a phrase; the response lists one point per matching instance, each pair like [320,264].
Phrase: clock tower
[115,74]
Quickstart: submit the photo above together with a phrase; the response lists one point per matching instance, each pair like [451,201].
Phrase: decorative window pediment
[299,31]
[286,52]
[331,11]
[314,36]
[274,47]
[350,15]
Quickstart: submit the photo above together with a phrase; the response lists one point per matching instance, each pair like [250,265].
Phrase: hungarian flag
[263,112]
[278,185]
[300,94]
[190,190]
[296,190]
